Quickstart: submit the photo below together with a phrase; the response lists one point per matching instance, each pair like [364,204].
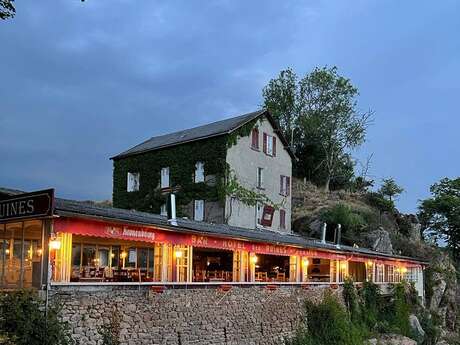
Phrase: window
[379,273]
[285,185]
[260,177]
[269,145]
[255,139]
[267,216]
[164,183]
[133,182]
[282,219]
[163,210]
[199,210]
[199,172]
[259,212]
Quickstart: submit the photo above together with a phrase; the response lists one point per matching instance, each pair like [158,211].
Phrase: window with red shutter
[282,219]
[255,138]
[265,142]
[267,216]
[274,146]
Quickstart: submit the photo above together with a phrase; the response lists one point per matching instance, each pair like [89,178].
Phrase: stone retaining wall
[178,316]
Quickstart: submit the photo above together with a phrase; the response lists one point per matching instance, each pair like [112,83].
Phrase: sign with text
[27,205]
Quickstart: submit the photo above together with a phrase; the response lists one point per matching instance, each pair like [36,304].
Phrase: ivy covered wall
[181,160]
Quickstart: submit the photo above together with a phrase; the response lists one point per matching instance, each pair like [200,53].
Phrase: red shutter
[282,219]
[274,146]
[288,185]
[265,143]
[281,184]
[255,138]
[267,216]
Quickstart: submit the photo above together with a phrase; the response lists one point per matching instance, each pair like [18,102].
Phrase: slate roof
[202,132]
[88,210]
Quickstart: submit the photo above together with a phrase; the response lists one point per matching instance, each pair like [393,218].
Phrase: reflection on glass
[76,255]
[115,256]
[103,257]
[89,255]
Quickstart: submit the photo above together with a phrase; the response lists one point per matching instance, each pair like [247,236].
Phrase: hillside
[391,232]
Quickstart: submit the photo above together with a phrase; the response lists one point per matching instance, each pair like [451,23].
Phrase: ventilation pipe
[323,233]
[172,210]
[339,235]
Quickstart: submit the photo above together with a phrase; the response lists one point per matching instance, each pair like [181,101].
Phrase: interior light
[403,269]
[7,251]
[343,265]
[123,255]
[370,263]
[305,262]
[254,259]
[178,254]
[39,252]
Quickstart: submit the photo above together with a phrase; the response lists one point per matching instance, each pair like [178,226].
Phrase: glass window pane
[151,258]
[115,256]
[142,256]
[76,255]
[13,255]
[103,259]
[132,257]
[89,255]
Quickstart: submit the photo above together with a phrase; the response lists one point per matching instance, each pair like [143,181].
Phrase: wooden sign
[27,205]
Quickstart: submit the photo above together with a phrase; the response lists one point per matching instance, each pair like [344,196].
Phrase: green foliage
[400,311]
[350,297]
[23,320]
[328,324]
[440,214]
[390,188]
[318,114]
[351,220]
[378,201]
[371,299]
[110,332]
[181,160]
[7,9]
[430,323]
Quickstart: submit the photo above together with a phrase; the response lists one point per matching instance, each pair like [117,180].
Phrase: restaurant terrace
[79,243]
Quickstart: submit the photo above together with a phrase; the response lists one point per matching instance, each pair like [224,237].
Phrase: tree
[440,214]
[319,115]
[390,188]
[7,9]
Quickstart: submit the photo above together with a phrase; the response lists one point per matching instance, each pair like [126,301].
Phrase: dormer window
[164,181]
[133,182]
[199,172]
[255,139]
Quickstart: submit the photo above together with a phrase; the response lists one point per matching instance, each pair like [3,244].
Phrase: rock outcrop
[379,240]
[392,339]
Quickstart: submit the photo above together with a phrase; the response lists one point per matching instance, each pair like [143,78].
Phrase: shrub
[371,299]
[350,220]
[23,320]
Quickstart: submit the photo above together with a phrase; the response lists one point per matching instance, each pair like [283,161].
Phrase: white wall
[244,161]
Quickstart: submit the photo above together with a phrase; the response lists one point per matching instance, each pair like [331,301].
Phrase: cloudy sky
[80,82]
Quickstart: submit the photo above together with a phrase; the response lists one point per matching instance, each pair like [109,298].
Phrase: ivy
[243,131]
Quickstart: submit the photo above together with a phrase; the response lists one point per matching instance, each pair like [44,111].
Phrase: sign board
[27,205]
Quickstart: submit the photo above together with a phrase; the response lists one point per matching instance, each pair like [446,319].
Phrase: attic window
[133,182]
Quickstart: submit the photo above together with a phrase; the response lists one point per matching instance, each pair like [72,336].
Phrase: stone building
[236,171]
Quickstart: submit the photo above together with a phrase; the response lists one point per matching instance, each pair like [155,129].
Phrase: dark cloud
[83,81]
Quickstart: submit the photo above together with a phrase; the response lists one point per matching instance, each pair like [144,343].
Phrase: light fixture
[370,263]
[7,251]
[254,259]
[55,244]
[343,265]
[39,252]
[403,269]
[305,262]
[112,255]
[123,255]
[178,254]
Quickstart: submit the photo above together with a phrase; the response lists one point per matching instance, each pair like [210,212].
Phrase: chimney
[339,235]
[323,234]
[172,210]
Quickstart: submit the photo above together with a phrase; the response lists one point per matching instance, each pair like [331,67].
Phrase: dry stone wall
[178,316]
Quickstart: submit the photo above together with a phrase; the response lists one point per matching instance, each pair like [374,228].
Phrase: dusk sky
[83,81]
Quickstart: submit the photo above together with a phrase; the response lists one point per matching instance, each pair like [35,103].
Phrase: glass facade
[21,254]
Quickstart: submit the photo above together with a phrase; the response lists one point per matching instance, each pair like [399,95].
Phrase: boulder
[379,240]
[391,339]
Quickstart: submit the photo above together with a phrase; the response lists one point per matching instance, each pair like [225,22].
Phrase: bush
[350,220]
[327,324]
[24,322]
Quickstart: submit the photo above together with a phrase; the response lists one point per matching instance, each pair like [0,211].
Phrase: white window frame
[163,210]
[199,172]
[269,144]
[133,182]
[198,216]
[260,177]
[164,179]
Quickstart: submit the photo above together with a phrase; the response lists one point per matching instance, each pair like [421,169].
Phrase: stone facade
[180,316]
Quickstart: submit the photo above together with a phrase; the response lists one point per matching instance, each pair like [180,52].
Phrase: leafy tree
[440,214]
[319,115]
[378,201]
[390,188]
[7,9]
